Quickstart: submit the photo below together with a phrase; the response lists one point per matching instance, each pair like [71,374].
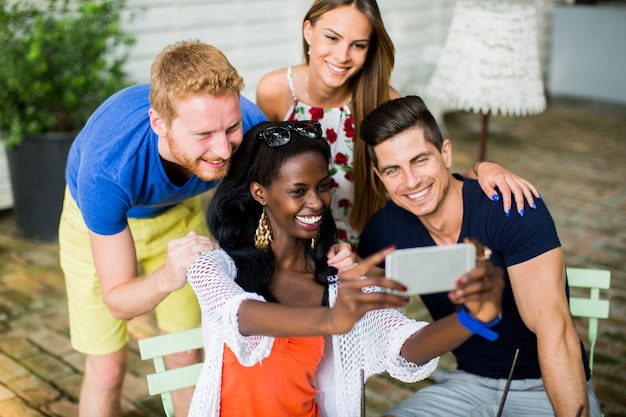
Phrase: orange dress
[279,386]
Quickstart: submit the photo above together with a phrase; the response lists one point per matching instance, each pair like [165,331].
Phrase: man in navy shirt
[431,206]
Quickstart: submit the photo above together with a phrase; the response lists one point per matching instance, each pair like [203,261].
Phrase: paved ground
[574,153]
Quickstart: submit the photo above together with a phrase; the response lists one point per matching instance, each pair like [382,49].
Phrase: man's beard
[215,174]
[193,165]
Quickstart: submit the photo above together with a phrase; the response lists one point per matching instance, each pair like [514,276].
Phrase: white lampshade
[490,61]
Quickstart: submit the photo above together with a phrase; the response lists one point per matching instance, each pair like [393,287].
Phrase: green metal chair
[163,380]
[593,307]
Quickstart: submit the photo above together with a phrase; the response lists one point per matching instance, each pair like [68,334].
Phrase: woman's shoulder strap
[291,87]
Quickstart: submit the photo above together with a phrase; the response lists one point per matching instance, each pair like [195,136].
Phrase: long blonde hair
[370,87]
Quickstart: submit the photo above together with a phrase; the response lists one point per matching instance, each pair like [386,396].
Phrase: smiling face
[203,135]
[415,173]
[339,42]
[297,199]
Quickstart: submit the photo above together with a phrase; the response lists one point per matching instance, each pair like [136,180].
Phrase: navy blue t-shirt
[512,239]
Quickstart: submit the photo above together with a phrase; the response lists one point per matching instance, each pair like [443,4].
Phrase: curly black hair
[233,214]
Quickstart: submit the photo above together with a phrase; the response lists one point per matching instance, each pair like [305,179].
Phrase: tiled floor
[574,153]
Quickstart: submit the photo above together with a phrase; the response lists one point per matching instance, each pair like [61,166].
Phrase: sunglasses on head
[280,135]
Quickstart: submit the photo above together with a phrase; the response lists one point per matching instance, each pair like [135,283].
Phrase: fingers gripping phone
[430,269]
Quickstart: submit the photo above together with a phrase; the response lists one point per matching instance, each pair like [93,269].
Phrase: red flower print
[341,234]
[344,202]
[341,159]
[348,176]
[348,127]
[333,184]
[331,135]
[317,113]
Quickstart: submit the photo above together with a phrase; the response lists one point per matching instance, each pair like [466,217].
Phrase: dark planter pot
[37,170]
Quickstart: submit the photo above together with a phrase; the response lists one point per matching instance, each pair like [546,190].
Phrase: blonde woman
[349,58]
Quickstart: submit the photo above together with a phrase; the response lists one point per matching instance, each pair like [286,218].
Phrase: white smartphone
[430,269]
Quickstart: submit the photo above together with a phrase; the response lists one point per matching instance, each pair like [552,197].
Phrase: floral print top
[338,129]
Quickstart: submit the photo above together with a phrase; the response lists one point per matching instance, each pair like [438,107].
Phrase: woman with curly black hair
[284,336]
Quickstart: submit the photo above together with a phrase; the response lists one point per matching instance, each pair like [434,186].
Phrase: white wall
[588,57]
[255,35]
[261,35]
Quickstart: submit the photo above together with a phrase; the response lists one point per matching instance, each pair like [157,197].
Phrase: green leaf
[60,60]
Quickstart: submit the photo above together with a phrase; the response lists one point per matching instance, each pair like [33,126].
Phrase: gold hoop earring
[314,241]
[263,234]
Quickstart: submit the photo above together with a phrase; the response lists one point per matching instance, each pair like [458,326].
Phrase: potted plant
[60,60]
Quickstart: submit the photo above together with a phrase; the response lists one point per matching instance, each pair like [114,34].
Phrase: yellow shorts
[93,330]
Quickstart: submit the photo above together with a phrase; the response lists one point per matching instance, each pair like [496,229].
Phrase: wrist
[477,165]
[475,168]
[476,326]
[163,284]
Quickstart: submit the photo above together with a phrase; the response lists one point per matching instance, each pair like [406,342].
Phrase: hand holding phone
[430,269]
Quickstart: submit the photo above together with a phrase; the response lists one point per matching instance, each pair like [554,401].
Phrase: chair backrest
[163,380]
[593,307]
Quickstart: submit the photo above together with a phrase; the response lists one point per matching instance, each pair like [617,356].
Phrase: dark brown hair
[396,116]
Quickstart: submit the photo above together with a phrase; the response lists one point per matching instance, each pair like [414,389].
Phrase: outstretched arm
[272,319]
[491,176]
[212,277]
[479,291]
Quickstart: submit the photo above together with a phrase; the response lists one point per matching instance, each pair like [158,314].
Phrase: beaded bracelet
[477,326]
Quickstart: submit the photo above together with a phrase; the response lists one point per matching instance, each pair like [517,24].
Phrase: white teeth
[336,69]
[417,195]
[309,219]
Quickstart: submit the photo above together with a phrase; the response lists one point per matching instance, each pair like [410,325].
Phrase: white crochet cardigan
[373,344]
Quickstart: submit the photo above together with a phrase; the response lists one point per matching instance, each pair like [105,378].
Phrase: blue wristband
[477,326]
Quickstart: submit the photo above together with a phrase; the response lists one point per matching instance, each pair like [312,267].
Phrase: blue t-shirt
[512,239]
[114,170]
